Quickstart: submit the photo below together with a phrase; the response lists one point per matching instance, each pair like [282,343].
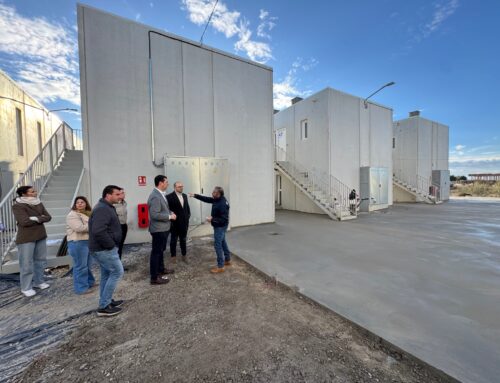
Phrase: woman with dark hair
[31,238]
[77,234]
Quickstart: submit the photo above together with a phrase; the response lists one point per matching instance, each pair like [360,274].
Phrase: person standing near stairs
[31,215]
[77,234]
[121,210]
[105,234]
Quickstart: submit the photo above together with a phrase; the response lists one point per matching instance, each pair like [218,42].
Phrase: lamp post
[378,90]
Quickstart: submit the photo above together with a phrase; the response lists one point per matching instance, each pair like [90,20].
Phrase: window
[39,131]
[19,127]
[304,129]
[394,142]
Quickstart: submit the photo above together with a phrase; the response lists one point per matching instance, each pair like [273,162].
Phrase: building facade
[420,154]
[155,103]
[339,138]
[25,127]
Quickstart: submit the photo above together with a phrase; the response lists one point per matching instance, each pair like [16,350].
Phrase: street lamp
[378,90]
[63,109]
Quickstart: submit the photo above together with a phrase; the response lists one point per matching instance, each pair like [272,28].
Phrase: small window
[394,142]
[304,129]
[19,128]
[40,138]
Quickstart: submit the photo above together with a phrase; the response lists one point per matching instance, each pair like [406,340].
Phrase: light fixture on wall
[378,90]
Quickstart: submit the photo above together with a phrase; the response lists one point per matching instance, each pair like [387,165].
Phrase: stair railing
[37,175]
[421,185]
[335,192]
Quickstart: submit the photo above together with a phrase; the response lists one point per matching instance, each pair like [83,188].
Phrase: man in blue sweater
[220,220]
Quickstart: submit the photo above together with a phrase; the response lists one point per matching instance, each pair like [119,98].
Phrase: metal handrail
[77,190]
[421,185]
[37,175]
[334,191]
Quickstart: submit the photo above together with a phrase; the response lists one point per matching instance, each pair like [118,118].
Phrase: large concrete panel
[206,103]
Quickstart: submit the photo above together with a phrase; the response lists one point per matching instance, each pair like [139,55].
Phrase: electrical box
[441,179]
[374,188]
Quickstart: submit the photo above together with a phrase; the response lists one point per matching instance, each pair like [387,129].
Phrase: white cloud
[284,91]
[443,10]
[231,24]
[460,147]
[137,16]
[266,25]
[41,55]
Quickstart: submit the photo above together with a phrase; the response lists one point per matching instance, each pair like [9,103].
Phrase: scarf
[33,201]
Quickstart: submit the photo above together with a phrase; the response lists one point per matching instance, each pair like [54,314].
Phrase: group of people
[98,235]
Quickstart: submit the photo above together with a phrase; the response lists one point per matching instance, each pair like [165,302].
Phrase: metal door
[213,172]
[187,171]
[383,186]
[374,186]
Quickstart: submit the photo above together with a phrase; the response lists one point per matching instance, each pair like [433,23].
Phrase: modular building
[340,143]
[156,103]
[25,127]
[420,160]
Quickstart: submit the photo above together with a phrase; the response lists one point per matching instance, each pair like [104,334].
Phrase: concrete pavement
[424,277]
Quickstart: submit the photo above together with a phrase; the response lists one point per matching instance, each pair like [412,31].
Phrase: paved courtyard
[426,278]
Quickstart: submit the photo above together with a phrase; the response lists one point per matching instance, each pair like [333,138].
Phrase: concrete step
[66,204]
[60,189]
[12,267]
[49,196]
[55,228]
[58,219]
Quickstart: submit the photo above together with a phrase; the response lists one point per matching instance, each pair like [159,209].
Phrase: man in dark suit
[179,205]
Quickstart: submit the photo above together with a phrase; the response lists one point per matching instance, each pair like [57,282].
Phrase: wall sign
[141,180]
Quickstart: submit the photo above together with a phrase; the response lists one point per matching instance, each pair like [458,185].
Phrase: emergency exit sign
[141,180]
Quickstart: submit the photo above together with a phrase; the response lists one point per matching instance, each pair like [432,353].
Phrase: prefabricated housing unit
[420,158]
[339,137]
[155,103]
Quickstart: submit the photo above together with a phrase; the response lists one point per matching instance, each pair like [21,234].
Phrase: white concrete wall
[206,103]
[421,146]
[11,163]
[343,136]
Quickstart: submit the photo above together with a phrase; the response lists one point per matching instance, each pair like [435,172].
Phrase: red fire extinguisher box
[143,215]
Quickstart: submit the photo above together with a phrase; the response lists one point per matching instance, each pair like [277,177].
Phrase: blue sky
[444,55]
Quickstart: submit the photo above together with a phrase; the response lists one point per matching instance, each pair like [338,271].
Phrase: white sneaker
[29,293]
[42,286]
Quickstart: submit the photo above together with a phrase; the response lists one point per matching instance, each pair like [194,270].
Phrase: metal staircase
[56,173]
[330,195]
[419,187]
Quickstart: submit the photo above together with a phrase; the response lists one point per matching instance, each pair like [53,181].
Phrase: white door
[280,142]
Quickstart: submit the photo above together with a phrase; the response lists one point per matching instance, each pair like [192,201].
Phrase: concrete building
[154,103]
[420,150]
[343,144]
[25,127]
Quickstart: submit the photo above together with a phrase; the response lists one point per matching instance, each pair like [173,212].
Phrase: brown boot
[184,259]
[174,260]
[227,263]
[217,270]
[167,272]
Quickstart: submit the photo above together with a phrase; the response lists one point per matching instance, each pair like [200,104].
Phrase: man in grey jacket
[105,234]
[159,227]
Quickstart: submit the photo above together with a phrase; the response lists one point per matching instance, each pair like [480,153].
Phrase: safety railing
[419,184]
[328,189]
[36,175]
[77,139]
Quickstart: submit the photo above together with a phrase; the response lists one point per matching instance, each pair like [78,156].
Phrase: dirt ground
[233,327]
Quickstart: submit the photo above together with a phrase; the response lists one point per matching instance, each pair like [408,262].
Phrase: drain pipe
[151,106]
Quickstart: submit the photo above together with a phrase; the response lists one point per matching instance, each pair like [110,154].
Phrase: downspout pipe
[151,106]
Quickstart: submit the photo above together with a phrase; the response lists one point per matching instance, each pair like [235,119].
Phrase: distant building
[485,177]
[420,160]
[334,143]
[25,127]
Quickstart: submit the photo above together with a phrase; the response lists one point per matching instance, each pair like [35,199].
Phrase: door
[383,186]
[374,186]
[187,171]
[213,172]
[280,142]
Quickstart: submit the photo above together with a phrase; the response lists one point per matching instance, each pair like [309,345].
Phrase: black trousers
[124,235]
[181,234]
[156,262]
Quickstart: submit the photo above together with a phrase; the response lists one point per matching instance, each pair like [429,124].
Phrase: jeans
[82,265]
[181,234]
[156,261]
[111,273]
[220,245]
[32,261]
[122,242]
